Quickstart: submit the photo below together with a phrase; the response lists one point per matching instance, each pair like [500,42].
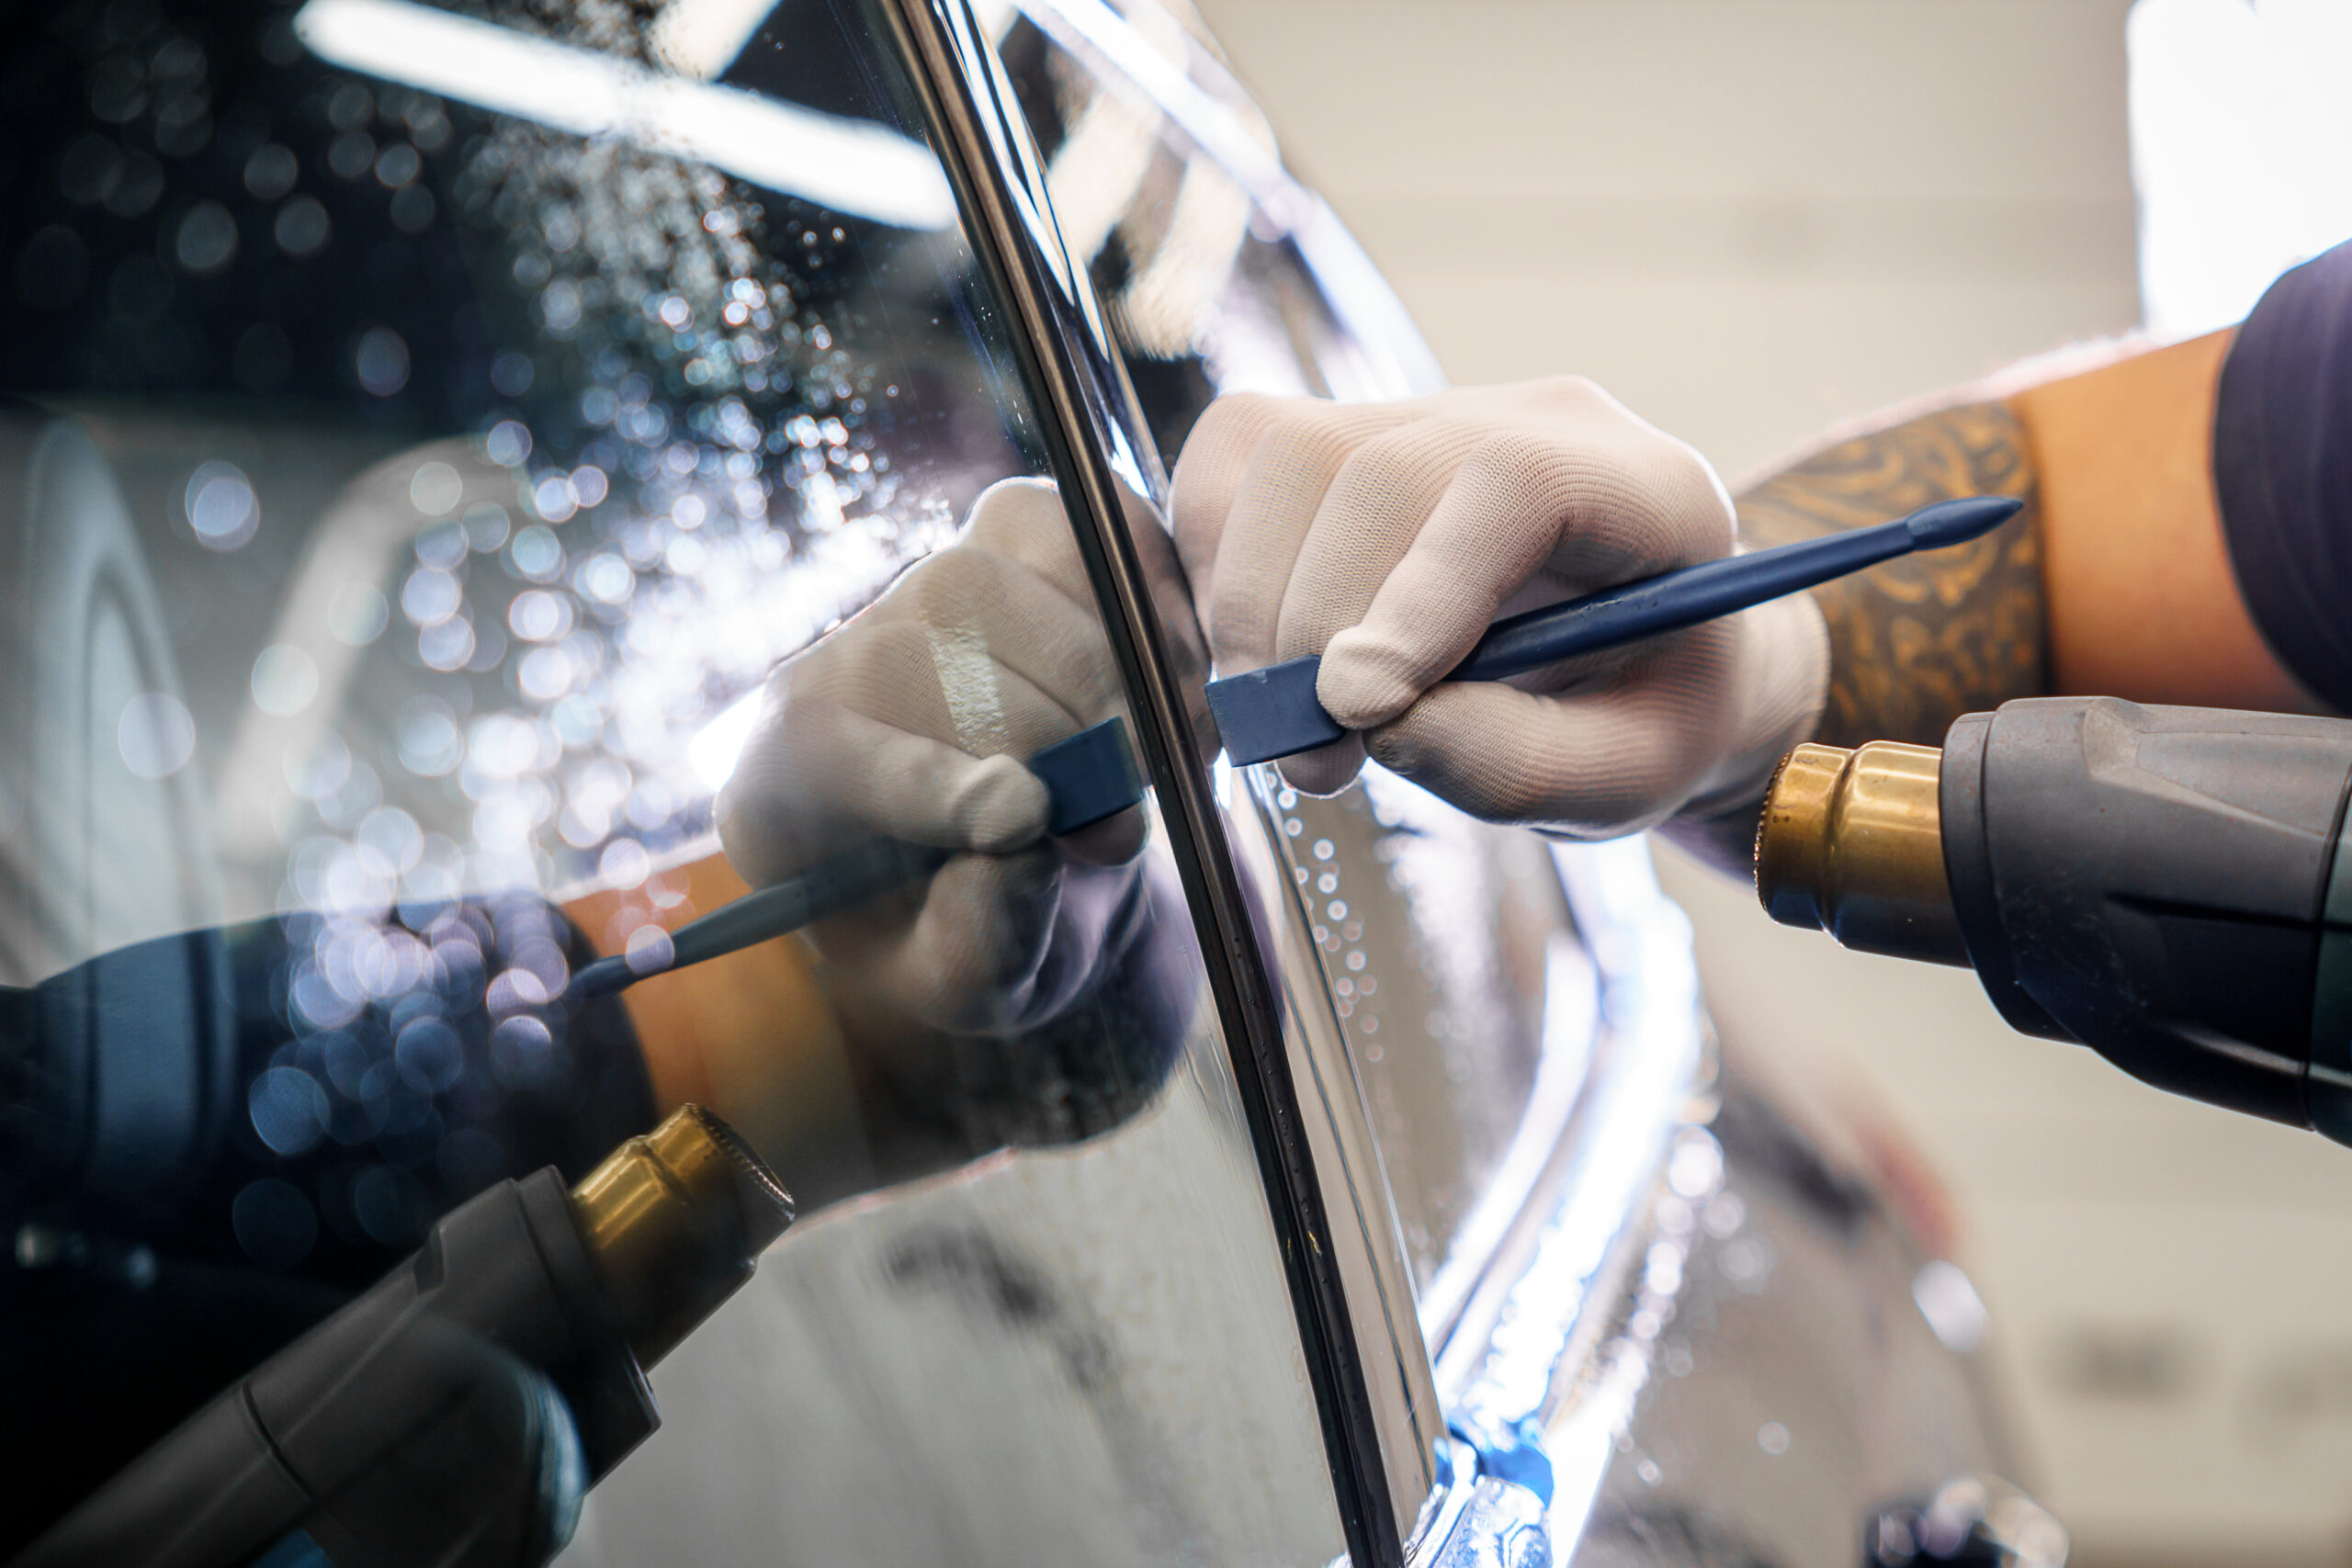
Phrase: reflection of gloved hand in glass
[1388,536]
[912,723]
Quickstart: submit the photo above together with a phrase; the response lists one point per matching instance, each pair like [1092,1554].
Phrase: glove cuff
[1780,691]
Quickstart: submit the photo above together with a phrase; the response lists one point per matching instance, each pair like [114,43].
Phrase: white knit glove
[1386,537]
[911,722]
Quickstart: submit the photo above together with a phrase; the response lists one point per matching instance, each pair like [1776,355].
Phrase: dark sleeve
[381,1115]
[2282,469]
[379,1118]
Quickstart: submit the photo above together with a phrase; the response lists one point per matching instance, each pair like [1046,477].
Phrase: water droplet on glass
[351,107]
[356,614]
[536,555]
[397,164]
[552,498]
[390,840]
[650,949]
[436,489]
[220,506]
[351,154]
[288,1109]
[447,644]
[487,526]
[285,680]
[443,545]
[511,373]
[508,443]
[302,227]
[623,864]
[271,171]
[382,361]
[155,735]
[208,238]
[430,596]
[430,745]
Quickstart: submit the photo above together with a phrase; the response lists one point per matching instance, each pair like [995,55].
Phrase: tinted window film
[442,449]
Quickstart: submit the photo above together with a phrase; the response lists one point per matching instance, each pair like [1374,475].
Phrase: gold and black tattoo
[1918,642]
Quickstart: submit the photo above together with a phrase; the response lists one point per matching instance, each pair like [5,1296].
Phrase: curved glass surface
[481,487]
[1440,942]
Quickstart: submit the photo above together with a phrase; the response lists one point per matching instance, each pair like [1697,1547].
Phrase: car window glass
[1438,939]
[423,433]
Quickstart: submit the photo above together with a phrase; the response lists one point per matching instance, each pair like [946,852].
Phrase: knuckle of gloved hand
[889,660]
[1301,448]
[755,843]
[1657,520]
[1022,523]
[1687,497]
[1568,395]
[1381,480]
[1233,417]
[1539,468]
[948,580]
[1219,444]
[998,807]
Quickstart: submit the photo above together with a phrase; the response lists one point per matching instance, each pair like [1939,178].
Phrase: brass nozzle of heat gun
[1851,844]
[673,1221]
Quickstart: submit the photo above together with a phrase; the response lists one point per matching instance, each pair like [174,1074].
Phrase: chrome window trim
[1457,1481]
[1502,1525]
[1112,482]
[1531,1361]
[1644,1063]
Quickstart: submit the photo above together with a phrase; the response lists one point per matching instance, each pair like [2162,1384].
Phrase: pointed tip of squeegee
[1956,522]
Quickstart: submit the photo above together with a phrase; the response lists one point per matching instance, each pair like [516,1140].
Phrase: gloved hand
[1386,537]
[911,722]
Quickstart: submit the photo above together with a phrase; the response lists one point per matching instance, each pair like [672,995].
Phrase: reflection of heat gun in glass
[454,1414]
[1089,777]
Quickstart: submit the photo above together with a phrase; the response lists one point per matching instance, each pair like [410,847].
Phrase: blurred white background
[1751,219]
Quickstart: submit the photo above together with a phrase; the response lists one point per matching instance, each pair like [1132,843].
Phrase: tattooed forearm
[1922,639]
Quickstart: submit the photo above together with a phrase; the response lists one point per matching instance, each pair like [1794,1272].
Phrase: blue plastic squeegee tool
[1273,712]
[1089,777]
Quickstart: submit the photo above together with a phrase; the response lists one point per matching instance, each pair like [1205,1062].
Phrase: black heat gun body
[2168,885]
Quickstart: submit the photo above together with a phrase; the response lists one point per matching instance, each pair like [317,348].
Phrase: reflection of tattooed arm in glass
[1034,987]
[2114,578]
